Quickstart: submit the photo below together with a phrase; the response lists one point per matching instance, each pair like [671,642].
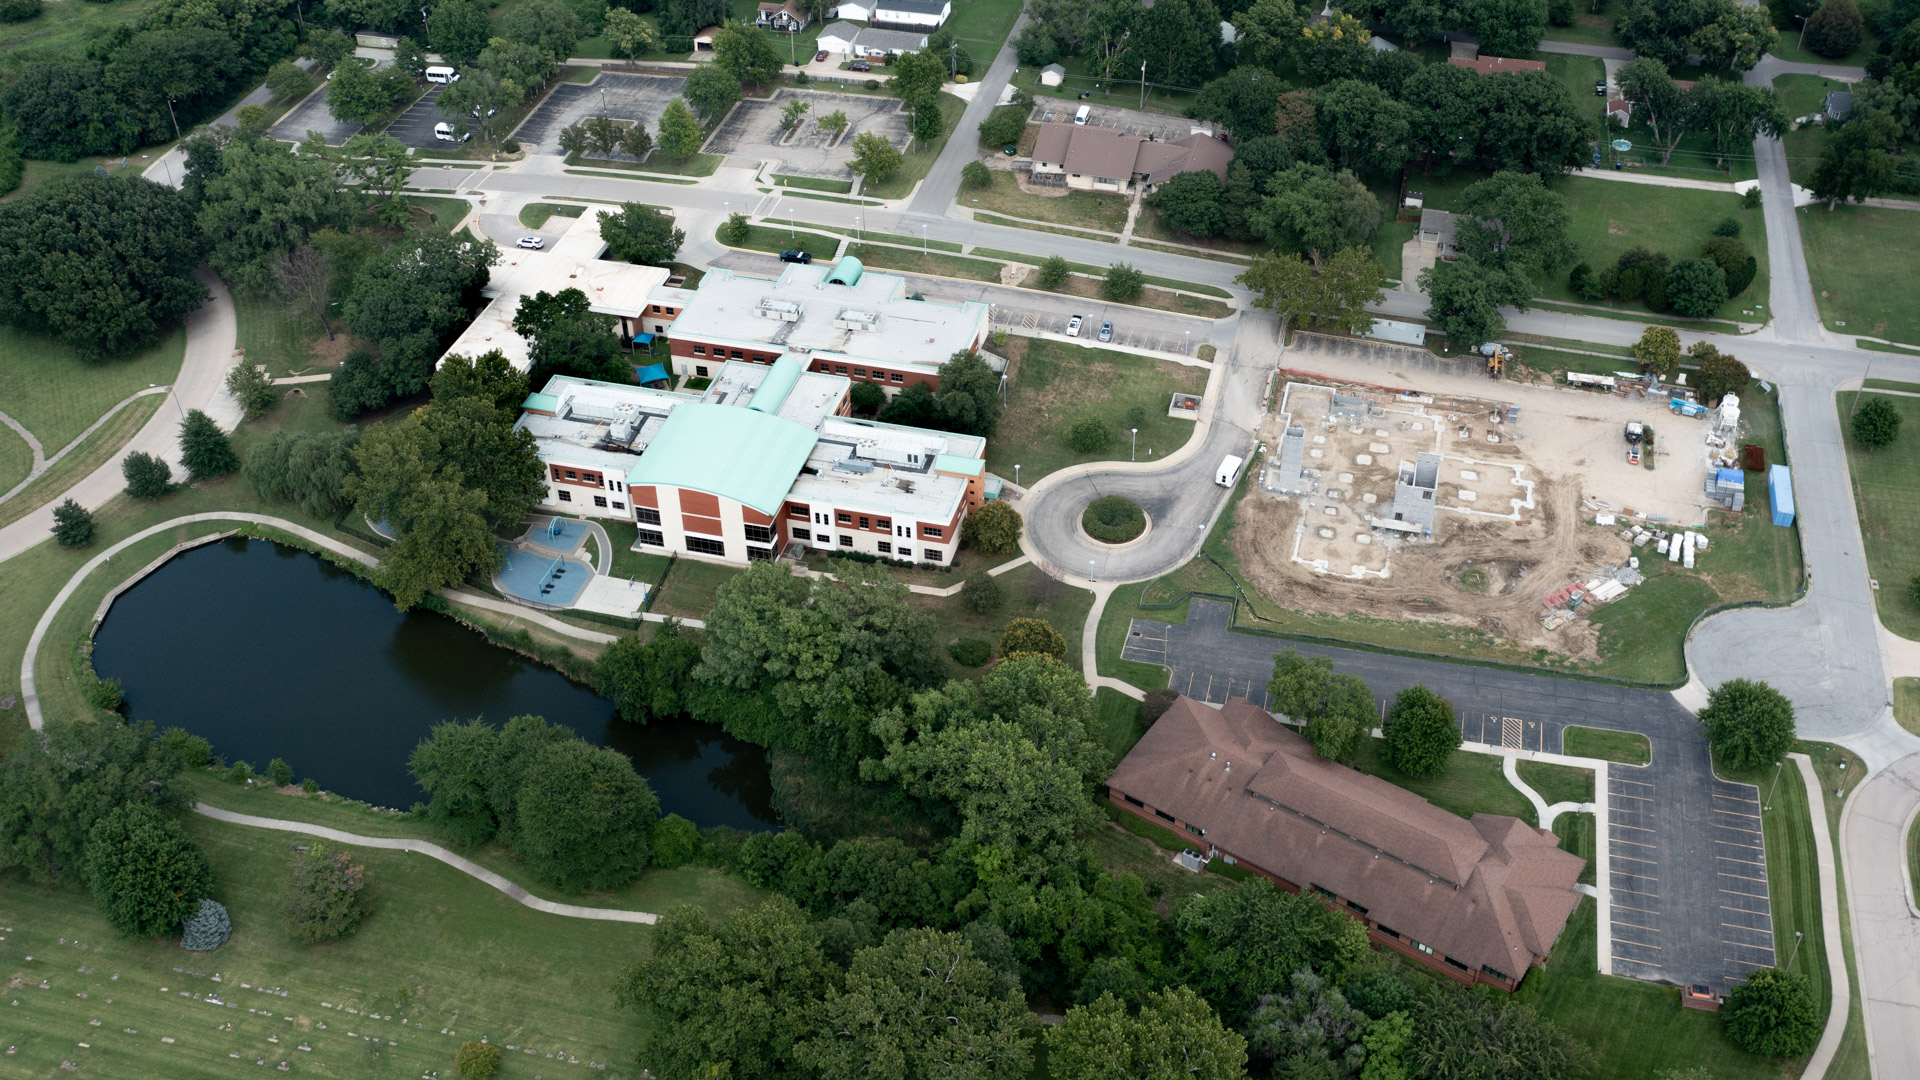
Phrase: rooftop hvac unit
[779,310]
[854,319]
[854,465]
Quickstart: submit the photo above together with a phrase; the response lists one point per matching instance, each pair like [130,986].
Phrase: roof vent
[854,465]
[855,319]
[779,310]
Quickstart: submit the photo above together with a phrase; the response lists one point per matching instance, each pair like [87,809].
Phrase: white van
[445,133]
[1229,471]
[442,75]
[1080,118]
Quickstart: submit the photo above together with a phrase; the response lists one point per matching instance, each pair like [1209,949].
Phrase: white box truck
[1229,471]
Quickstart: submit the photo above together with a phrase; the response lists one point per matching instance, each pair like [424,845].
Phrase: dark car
[796,255]
[1600,88]
[819,56]
[859,65]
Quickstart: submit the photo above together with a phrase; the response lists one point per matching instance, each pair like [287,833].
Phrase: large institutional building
[764,457]
[1479,901]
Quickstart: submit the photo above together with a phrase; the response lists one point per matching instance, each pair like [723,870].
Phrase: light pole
[923,238]
[1803,31]
[603,101]
[1134,452]
[1796,950]
[1016,476]
[791,235]
[175,119]
[1189,351]
[1143,84]
[856,228]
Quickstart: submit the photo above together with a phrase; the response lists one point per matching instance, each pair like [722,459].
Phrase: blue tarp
[652,373]
[1780,491]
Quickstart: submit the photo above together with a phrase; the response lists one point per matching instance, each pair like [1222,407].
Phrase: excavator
[1497,356]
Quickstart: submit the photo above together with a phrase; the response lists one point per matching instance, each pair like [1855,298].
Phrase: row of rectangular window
[701,350]
[861,373]
[598,500]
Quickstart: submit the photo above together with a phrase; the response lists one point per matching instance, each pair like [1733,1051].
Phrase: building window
[1196,830]
[932,554]
[1494,972]
[566,496]
[844,519]
[839,369]
[1131,801]
[759,534]
[656,309]
[646,515]
[738,355]
[1324,893]
[619,506]
[600,501]
[653,538]
[802,534]
[885,548]
[882,524]
[758,554]
[700,545]
[906,553]
[796,511]
[700,350]
[864,524]
[1456,963]
[571,475]
[1163,815]
[845,540]
[758,359]
[895,376]
[859,373]
[700,372]
[1387,930]
[823,367]
[1356,908]
[1428,949]
[930,532]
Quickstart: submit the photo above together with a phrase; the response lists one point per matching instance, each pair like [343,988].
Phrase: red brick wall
[645,496]
[580,477]
[699,502]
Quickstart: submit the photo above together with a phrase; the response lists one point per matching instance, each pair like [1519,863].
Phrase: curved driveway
[1178,494]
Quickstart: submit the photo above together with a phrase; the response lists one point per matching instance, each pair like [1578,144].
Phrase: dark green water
[269,652]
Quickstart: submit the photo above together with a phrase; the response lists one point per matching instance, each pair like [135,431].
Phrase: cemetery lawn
[439,951]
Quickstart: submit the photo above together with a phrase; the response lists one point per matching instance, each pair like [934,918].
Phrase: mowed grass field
[1861,264]
[1082,209]
[1054,385]
[1886,493]
[441,959]
[56,394]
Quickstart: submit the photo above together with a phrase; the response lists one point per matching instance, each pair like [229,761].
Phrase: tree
[635,142]
[629,34]
[549,26]
[1772,1013]
[976,175]
[1734,114]
[1338,48]
[1696,288]
[1239,945]
[204,448]
[359,94]
[1658,350]
[1027,635]
[1749,723]
[259,200]
[57,782]
[1720,30]
[981,594]
[1269,31]
[325,895]
[912,407]
[1875,423]
[866,398]
[1507,27]
[1311,1023]
[746,54]
[651,678]
[834,122]
[916,74]
[1004,126]
[1364,129]
[1310,208]
[874,158]
[207,928]
[1734,259]
[1512,221]
[681,19]
[306,274]
[1835,29]
[918,1004]
[1191,203]
[944,44]
[969,396]
[565,336]
[641,234]
[476,1060]
[1176,1033]
[1089,434]
[739,990]
[287,81]
[1317,291]
[307,469]
[1529,122]
[994,529]
[926,123]
[1243,100]
[104,264]
[1467,296]
[1456,1033]
[148,477]
[679,132]
[711,90]
[72,525]
[1054,271]
[1720,374]
[1419,734]
[1667,110]
[280,771]
[1858,164]
[458,31]
[147,875]
[794,111]
[379,165]
[581,817]
[252,389]
[1337,710]
[1122,283]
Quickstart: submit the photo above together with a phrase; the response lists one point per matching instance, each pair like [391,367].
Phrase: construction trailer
[1780,491]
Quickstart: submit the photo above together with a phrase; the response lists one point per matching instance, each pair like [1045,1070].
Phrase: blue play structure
[1780,490]
[561,534]
[543,579]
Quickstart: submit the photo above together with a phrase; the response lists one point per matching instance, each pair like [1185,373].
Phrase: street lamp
[603,101]
[1796,950]
[1016,476]
[1134,453]
[1143,84]
[856,228]
[923,238]
[791,235]
[1189,351]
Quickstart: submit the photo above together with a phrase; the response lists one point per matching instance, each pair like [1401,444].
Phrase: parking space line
[1636,892]
[1736,798]
[1736,892]
[1736,813]
[1743,862]
[1748,911]
[1624,795]
[1736,828]
[1629,907]
[1632,858]
[1730,843]
[1742,877]
[1624,825]
[1635,944]
[1631,960]
[1743,963]
[1635,843]
[1624,780]
[1636,926]
[1744,945]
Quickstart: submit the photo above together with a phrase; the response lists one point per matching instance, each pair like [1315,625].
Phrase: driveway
[639,98]
[1688,891]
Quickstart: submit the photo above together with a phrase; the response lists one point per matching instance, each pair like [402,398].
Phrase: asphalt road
[312,115]
[1688,888]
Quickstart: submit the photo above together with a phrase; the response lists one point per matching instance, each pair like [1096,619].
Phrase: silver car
[533,242]
[1106,331]
[1073,325]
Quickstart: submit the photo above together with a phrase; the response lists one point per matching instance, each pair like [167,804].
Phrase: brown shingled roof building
[1493,65]
[1479,901]
[1107,159]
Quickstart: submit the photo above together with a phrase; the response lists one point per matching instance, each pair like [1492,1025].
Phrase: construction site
[1515,510]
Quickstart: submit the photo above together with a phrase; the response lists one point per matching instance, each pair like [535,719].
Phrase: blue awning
[652,373]
[643,339]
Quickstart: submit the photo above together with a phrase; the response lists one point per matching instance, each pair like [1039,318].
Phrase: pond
[269,651]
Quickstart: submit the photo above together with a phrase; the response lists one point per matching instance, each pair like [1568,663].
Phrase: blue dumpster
[1780,491]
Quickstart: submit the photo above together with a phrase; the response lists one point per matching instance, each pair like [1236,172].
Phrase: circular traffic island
[1111,519]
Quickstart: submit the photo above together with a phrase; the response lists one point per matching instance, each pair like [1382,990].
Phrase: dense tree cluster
[1749,724]
[56,784]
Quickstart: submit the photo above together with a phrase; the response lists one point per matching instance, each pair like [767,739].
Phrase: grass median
[1625,747]
[1854,256]
[55,393]
[98,449]
[1056,385]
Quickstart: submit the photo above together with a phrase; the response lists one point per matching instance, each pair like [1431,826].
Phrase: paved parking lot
[1132,121]
[640,98]
[312,115]
[1687,882]
[415,126]
[751,133]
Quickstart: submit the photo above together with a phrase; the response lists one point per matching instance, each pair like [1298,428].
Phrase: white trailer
[1229,470]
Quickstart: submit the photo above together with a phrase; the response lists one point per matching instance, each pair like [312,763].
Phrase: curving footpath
[432,851]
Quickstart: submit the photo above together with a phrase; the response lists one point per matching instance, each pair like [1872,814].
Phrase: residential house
[857,10]
[785,16]
[1107,159]
[911,14]
[874,43]
[837,38]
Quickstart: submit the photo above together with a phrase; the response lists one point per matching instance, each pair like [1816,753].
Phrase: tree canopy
[1241,944]
[1419,732]
[1311,291]
[641,234]
[147,874]
[57,782]
[1749,723]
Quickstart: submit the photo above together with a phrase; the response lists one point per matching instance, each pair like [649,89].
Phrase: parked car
[795,255]
[533,243]
[444,132]
[1073,325]
[859,65]
[1106,331]
[819,56]
[1600,88]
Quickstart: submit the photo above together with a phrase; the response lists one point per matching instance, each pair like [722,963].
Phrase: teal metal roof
[846,272]
[954,463]
[545,403]
[777,385]
[739,454]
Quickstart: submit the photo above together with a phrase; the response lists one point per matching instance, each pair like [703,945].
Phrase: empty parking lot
[1132,121]
[751,134]
[639,98]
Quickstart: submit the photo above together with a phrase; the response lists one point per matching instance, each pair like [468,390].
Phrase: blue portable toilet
[1780,491]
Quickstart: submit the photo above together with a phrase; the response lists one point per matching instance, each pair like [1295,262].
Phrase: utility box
[1780,491]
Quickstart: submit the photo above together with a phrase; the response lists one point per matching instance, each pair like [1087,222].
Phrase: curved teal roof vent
[777,385]
[846,272]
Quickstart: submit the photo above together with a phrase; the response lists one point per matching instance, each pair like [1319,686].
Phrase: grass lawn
[689,587]
[1090,288]
[1592,23]
[1058,230]
[55,394]
[534,215]
[1611,217]
[1026,596]
[1852,253]
[1125,852]
[436,214]
[1794,881]
[1804,95]
[1788,48]
[1576,833]
[813,183]
[766,238]
[1150,225]
[1625,747]
[1471,783]
[1557,783]
[1054,385]
[16,459]
[691,165]
[631,564]
[1838,771]
[938,264]
[1886,490]
[1906,703]
[1387,242]
[1082,209]
[1101,271]
[919,158]
[64,30]
[982,26]
[1120,722]
[1578,74]
[88,456]
[282,334]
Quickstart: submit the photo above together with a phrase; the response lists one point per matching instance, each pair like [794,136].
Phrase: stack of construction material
[1727,487]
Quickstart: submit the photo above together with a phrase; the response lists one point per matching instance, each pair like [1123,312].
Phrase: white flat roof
[886,468]
[923,333]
